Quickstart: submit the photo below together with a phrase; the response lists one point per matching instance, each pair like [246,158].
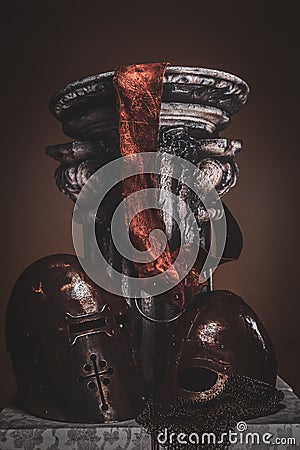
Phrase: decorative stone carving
[196,105]
[79,160]
[199,98]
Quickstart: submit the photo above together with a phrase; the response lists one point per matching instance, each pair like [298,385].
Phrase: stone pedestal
[19,430]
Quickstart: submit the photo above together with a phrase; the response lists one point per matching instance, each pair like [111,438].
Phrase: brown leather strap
[139,92]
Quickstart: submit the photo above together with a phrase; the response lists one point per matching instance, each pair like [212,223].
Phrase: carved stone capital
[214,158]
[195,97]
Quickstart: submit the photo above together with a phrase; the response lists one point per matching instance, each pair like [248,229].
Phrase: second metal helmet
[218,336]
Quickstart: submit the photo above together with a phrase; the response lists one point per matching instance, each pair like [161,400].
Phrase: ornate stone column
[196,105]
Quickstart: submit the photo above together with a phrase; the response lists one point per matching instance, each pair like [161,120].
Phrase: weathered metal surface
[79,160]
[218,336]
[72,346]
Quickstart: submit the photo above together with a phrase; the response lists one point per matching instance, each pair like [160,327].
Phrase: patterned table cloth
[20,430]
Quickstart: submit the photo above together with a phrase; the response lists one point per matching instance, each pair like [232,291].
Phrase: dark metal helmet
[217,337]
[72,345]
[215,368]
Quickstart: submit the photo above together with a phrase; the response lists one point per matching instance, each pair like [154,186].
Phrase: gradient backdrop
[48,44]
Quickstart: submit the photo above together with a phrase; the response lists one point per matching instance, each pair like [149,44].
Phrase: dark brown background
[47,44]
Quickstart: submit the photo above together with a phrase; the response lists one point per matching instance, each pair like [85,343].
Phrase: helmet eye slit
[90,325]
[196,379]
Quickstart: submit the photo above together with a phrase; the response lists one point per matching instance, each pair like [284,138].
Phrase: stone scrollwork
[196,104]
[180,84]
[71,179]
[215,158]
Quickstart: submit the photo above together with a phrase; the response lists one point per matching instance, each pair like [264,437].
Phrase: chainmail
[242,398]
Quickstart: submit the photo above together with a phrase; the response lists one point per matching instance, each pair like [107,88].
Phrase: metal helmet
[217,337]
[72,345]
[215,368]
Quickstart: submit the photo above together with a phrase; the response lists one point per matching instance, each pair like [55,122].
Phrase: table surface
[20,430]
